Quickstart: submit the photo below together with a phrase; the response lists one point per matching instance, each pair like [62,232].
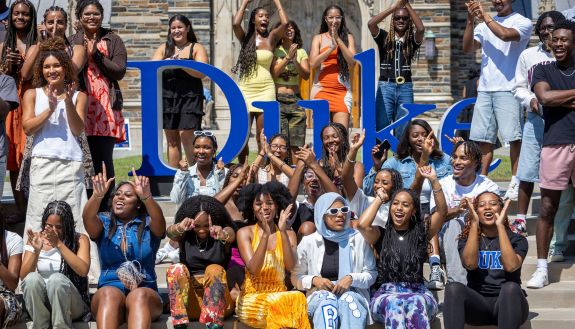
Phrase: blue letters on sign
[152,165]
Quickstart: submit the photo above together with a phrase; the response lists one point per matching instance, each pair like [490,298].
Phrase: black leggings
[464,305]
[102,149]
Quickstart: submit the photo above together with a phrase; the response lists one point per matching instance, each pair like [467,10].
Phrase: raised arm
[308,157]
[237,24]
[157,221]
[348,51]
[76,113]
[227,192]
[510,260]
[289,239]
[470,254]
[504,33]
[101,184]
[419,28]
[470,45]
[80,261]
[370,232]
[428,146]
[30,121]
[375,20]
[277,33]
[347,173]
[295,181]
[31,253]
[438,216]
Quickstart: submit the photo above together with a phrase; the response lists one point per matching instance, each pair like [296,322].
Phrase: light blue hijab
[342,237]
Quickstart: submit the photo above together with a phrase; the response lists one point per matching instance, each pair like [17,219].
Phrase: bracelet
[380,197]
[178,230]
[438,190]
[283,164]
[146,198]
[347,158]
[226,236]
[487,23]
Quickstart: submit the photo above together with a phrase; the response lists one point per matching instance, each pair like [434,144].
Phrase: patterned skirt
[12,308]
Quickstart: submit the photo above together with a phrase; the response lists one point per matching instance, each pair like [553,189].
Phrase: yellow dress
[264,301]
[260,86]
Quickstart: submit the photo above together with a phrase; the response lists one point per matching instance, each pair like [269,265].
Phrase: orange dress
[264,301]
[327,84]
[15,130]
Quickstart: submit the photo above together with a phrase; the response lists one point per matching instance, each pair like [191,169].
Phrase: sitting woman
[403,300]
[278,166]
[54,270]
[205,177]
[268,249]
[336,267]
[386,183]
[493,256]
[10,261]
[128,239]
[197,286]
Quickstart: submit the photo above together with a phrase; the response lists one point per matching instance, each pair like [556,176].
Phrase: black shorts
[183,113]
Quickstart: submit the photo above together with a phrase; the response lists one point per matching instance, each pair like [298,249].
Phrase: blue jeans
[388,100]
[328,311]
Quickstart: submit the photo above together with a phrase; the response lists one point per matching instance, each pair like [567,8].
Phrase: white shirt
[360,202]
[310,252]
[569,13]
[454,192]
[49,262]
[14,246]
[498,57]
[528,60]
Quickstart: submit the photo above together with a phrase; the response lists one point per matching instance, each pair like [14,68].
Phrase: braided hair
[389,43]
[404,149]
[71,239]
[142,214]
[252,192]
[394,268]
[396,180]
[65,14]
[246,64]
[10,40]
[170,44]
[470,149]
[343,34]
[465,232]
[341,153]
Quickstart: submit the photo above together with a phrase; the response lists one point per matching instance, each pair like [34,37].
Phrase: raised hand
[142,185]
[306,155]
[183,165]
[357,140]
[378,160]
[101,184]
[51,236]
[467,204]
[455,139]
[220,165]
[503,214]
[427,172]
[285,216]
[428,144]
[187,224]
[35,240]
[342,285]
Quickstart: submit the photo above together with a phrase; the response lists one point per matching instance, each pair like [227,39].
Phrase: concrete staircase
[552,307]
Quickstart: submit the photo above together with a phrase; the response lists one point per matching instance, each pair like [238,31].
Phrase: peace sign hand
[142,185]
[428,144]
[101,183]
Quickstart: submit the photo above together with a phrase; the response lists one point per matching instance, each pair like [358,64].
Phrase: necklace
[486,245]
[400,238]
[180,49]
[200,244]
[564,74]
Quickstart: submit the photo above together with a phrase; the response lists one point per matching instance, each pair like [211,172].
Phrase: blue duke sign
[153,166]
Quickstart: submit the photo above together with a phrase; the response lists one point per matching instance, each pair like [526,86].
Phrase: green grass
[124,165]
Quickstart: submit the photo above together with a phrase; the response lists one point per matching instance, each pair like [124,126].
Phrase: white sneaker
[436,278]
[556,256]
[512,192]
[161,255]
[538,280]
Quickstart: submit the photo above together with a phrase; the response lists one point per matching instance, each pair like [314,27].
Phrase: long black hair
[343,34]
[277,191]
[404,149]
[142,213]
[396,180]
[246,64]
[170,44]
[296,34]
[394,268]
[11,38]
[389,44]
[343,148]
[65,14]
[71,239]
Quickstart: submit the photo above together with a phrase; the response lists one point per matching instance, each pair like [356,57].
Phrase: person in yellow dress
[268,249]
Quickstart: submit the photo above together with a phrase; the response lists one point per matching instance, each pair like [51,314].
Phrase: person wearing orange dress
[331,57]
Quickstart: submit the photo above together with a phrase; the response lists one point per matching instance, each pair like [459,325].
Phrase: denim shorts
[530,156]
[496,110]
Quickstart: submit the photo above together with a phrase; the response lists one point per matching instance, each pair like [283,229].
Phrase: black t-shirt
[489,276]
[214,252]
[559,121]
[387,69]
[304,213]
[330,265]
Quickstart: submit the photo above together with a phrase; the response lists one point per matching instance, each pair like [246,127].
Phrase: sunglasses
[309,175]
[401,18]
[203,133]
[334,211]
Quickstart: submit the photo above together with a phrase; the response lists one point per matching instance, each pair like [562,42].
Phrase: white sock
[514,180]
[542,264]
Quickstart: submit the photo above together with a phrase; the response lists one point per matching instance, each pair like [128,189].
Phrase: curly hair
[341,153]
[296,35]
[71,240]
[196,204]
[553,14]
[396,180]
[404,149]
[394,268]
[170,43]
[343,34]
[252,192]
[470,149]
[246,64]
[389,43]
[82,4]
[142,213]
[465,232]
[54,47]
[11,38]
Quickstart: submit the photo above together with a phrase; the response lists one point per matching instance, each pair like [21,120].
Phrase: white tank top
[55,139]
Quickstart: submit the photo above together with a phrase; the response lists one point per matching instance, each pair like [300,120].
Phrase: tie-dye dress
[265,301]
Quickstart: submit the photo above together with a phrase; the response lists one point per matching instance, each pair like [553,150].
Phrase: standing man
[397,48]
[554,86]
[501,39]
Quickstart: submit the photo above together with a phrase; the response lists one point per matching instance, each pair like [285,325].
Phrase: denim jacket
[111,255]
[187,183]
[406,168]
